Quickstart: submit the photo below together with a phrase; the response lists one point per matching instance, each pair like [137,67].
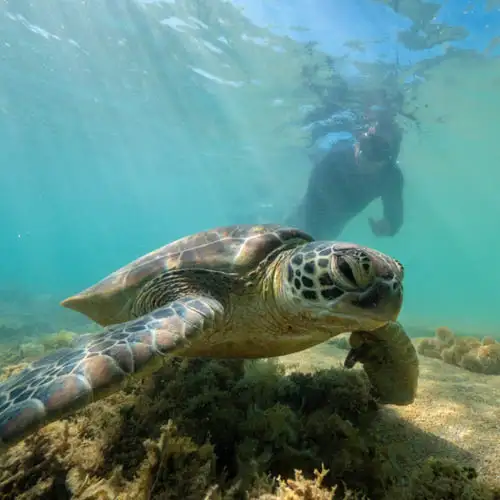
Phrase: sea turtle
[246,291]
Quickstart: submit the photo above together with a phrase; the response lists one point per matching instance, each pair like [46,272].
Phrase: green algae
[227,430]
[52,342]
[27,349]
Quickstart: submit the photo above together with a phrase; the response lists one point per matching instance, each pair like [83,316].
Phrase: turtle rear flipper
[390,360]
[70,378]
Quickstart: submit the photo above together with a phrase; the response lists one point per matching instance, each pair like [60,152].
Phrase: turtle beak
[383,300]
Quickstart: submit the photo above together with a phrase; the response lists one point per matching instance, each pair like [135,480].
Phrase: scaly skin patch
[71,378]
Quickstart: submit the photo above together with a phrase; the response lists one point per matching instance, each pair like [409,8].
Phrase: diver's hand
[380,227]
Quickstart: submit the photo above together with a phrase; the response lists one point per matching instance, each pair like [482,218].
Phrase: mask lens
[375,148]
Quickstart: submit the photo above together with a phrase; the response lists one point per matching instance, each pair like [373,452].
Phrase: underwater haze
[125,125]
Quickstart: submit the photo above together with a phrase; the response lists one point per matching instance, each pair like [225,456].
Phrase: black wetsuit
[338,191]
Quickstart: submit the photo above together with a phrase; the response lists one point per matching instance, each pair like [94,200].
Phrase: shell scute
[229,249]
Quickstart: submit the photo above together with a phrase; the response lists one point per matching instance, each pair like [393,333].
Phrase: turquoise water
[128,124]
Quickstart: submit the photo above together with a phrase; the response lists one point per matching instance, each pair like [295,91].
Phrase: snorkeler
[347,180]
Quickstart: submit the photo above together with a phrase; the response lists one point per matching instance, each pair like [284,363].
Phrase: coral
[434,347]
[31,351]
[430,348]
[471,362]
[222,430]
[57,340]
[10,370]
[470,342]
[489,357]
[488,341]
[33,348]
[445,336]
[459,349]
[10,355]
[467,352]
[447,355]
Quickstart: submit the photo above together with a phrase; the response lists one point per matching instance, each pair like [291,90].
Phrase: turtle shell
[231,249]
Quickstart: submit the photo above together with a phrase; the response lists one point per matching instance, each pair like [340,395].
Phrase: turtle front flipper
[70,378]
[390,360]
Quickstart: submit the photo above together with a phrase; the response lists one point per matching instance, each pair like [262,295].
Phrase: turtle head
[343,285]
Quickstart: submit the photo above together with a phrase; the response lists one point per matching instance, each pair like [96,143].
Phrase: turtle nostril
[370,299]
[345,269]
[387,275]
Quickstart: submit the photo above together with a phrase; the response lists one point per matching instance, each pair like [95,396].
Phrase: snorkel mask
[374,147]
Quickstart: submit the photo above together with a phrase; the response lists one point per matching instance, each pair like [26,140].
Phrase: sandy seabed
[456,413]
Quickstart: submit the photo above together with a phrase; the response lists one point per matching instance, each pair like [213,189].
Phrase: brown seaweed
[206,429]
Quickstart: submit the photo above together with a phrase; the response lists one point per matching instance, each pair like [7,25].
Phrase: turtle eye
[344,274]
[345,269]
[354,270]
